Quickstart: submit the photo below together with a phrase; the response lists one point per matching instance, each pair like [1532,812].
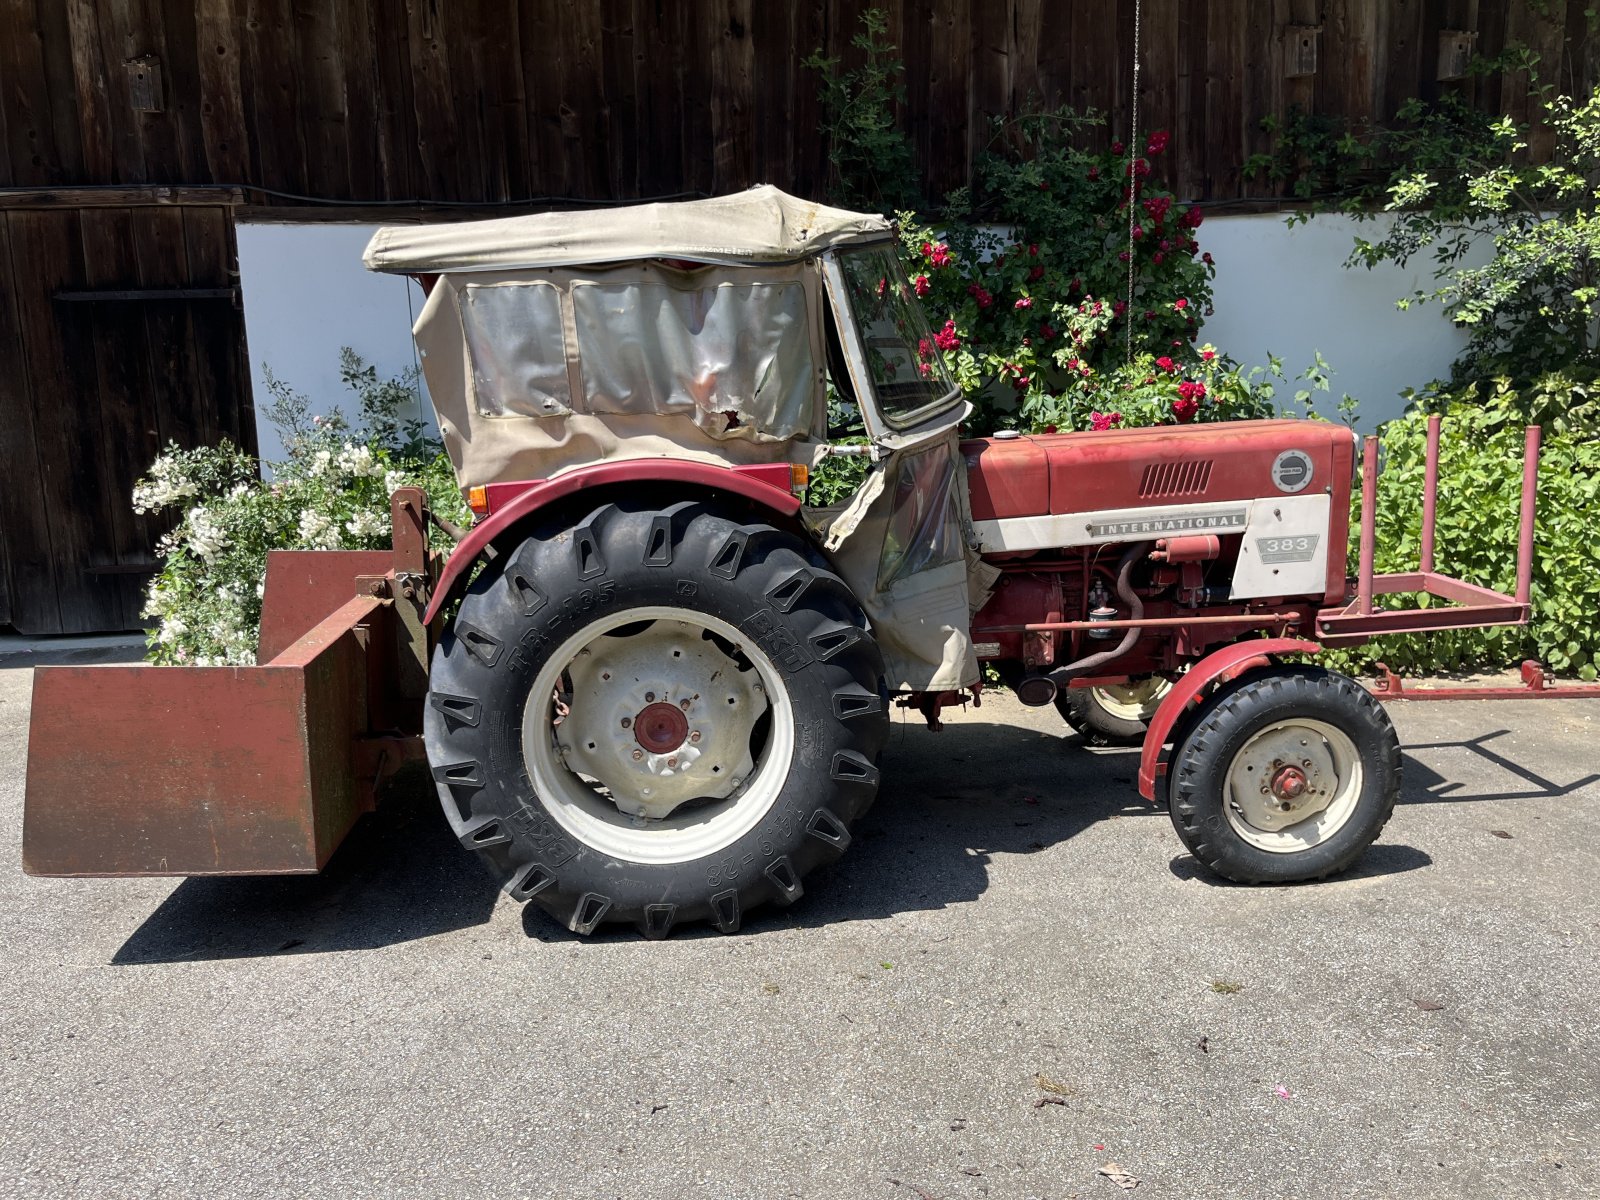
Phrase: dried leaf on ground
[1045,1084]
[770,989]
[1120,1176]
[1501,833]
[1226,987]
[1427,1005]
[1043,1100]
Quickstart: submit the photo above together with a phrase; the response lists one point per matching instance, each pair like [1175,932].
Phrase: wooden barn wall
[120,331]
[474,101]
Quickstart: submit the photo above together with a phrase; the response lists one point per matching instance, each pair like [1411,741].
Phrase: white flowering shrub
[331,492]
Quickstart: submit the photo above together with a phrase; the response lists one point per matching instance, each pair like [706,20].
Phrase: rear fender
[756,484]
[1228,663]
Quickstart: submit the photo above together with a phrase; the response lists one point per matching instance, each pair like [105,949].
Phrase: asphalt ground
[1012,928]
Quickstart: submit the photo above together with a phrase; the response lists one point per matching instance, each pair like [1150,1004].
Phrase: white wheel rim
[1293,785]
[671,803]
[1132,701]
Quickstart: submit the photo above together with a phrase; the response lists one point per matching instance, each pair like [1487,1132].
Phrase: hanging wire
[1133,174]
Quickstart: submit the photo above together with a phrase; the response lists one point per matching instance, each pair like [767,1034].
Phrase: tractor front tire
[656,717]
[1283,776]
[1113,715]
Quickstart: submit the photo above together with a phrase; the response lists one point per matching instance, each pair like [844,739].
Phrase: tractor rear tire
[1117,715]
[656,717]
[1284,776]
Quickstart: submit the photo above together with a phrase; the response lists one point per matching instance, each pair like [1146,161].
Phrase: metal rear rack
[1470,606]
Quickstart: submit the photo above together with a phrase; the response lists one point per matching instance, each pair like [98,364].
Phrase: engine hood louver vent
[1189,477]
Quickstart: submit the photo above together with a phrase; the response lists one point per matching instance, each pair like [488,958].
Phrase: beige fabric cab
[560,339]
[692,331]
[760,225]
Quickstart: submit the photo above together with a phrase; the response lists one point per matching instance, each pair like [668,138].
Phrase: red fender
[753,483]
[1228,663]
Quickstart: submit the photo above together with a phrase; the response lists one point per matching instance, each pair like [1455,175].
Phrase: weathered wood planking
[92,390]
[480,102]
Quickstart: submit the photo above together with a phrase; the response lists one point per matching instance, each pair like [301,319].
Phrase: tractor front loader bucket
[143,770]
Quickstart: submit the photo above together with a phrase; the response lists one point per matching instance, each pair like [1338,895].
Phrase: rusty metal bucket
[141,770]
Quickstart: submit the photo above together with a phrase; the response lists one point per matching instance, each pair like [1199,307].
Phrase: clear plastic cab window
[923,529]
[514,339]
[734,357]
[908,374]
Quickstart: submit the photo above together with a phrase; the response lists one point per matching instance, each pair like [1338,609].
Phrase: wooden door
[120,331]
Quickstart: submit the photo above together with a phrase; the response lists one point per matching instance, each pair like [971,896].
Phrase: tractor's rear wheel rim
[658,734]
[1293,785]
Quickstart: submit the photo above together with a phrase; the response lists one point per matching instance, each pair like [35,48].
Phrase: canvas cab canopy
[761,225]
[710,331]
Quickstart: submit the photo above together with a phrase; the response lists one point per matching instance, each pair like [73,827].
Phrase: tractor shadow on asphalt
[948,803]
[1424,785]
[400,876]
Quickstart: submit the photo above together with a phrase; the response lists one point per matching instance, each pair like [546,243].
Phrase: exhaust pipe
[1036,691]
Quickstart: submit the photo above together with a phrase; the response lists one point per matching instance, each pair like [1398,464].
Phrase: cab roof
[762,225]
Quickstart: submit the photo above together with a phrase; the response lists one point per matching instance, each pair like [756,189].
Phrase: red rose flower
[1047,332]
[921,284]
[1036,274]
[1158,142]
[1180,303]
[1184,409]
[1025,302]
[1208,355]
[1100,422]
[1166,364]
[946,338]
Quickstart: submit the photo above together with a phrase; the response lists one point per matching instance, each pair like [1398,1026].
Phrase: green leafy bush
[1476,539]
[331,492]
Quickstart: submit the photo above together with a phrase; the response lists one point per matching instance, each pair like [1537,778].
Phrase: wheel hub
[1283,776]
[660,728]
[660,716]
[1289,783]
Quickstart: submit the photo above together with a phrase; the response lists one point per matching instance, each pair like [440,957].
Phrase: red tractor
[652,685]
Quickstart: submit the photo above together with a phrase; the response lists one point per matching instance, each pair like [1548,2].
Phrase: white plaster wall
[1286,292]
[306,294]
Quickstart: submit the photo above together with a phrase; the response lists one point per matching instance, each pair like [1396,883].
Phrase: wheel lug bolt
[637,755]
[627,722]
[695,736]
[650,697]
[1306,763]
[683,704]
[672,762]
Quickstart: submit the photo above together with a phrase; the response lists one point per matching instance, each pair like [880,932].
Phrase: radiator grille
[1187,478]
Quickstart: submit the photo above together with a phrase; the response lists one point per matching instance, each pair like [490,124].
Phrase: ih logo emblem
[1291,471]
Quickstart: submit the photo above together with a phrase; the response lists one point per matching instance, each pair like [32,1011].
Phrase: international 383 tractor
[652,685]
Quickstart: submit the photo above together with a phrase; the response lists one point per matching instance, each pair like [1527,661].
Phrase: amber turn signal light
[478,500]
[799,477]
